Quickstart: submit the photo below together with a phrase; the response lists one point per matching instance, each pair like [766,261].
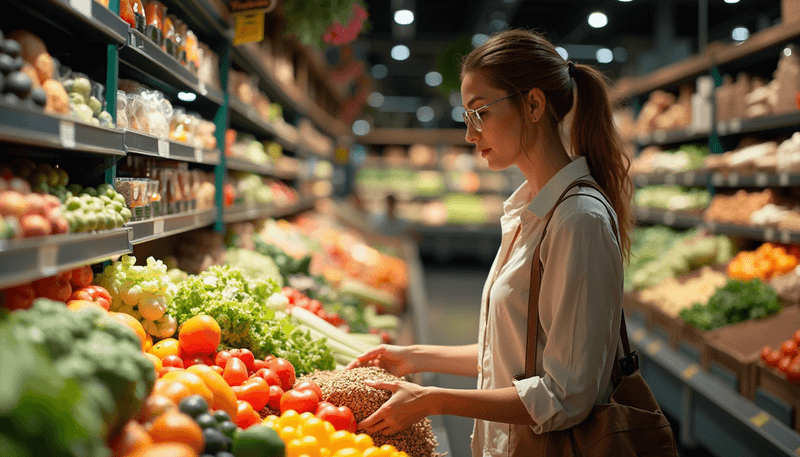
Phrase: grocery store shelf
[246,118]
[232,163]
[389,136]
[22,126]
[208,18]
[665,137]
[142,143]
[247,57]
[161,227]
[760,179]
[681,219]
[686,178]
[243,212]
[28,259]
[763,40]
[709,411]
[83,19]
[663,77]
[144,58]
[787,121]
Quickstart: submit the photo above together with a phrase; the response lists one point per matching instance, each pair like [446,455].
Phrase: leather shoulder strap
[532,335]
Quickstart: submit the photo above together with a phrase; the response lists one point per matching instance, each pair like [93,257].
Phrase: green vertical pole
[221,121]
[112,82]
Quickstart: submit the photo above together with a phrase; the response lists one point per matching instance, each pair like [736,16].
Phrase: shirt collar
[546,198]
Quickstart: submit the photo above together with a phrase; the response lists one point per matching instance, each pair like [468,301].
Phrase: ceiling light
[433,79]
[400,52]
[604,55]
[379,71]
[375,99]
[187,96]
[425,114]
[478,39]
[731,1]
[403,17]
[361,127]
[740,34]
[598,20]
[458,114]
[562,52]
[625,1]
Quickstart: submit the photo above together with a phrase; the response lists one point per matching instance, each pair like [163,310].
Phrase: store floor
[453,304]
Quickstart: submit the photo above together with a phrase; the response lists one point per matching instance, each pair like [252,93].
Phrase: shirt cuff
[540,402]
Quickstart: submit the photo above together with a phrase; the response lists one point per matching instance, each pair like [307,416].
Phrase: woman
[517,92]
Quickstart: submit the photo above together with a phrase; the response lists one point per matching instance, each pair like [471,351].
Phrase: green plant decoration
[320,22]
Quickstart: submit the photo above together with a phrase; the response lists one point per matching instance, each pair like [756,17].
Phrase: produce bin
[776,395]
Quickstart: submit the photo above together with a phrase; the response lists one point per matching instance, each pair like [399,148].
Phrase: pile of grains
[348,388]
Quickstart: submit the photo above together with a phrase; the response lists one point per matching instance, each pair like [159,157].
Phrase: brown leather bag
[631,424]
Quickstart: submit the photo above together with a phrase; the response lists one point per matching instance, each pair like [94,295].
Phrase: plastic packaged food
[139,15]
[180,39]
[168,44]
[154,20]
[122,116]
[154,197]
[134,190]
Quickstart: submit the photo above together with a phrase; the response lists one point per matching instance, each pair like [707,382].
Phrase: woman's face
[499,140]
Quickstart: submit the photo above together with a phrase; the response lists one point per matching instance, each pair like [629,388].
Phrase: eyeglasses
[471,116]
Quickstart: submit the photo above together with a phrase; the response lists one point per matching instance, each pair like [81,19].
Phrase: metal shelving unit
[142,143]
[665,137]
[261,169]
[164,226]
[84,19]
[243,212]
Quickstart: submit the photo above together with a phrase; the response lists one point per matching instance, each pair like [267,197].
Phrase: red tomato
[793,372]
[765,352]
[773,358]
[299,400]
[245,415]
[783,363]
[275,395]
[222,358]
[796,337]
[197,360]
[235,372]
[285,371]
[19,297]
[55,288]
[81,277]
[341,418]
[258,365]
[245,356]
[95,294]
[254,391]
[172,361]
[269,376]
[789,348]
[322,405]
[268,358]
[166,370]
[310,385]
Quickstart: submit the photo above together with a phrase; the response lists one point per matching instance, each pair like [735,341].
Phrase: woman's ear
[535,102]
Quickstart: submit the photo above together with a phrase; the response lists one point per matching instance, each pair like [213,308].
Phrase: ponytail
[594,136]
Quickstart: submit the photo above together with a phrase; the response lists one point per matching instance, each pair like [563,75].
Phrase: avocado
[38,95]
[12,48]
[19,83]
[6,64]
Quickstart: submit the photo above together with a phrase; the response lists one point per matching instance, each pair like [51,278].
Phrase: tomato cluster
[297,298]
[786,358]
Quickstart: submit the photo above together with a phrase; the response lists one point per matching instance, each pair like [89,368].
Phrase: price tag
[689,178]
[669,179]
[785,237]
[717,179]
[66,133]
[722,128]
[158,226]
[733,179]
[783,179]
[163,148]
[669,217]
[660,136]
[638,335]
[735,125]
[690,371]
[762,179]
[48,259]
[198,155]
[83,6]
[760,419]
[654,347]
[769,234]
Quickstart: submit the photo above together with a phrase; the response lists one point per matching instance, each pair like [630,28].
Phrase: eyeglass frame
[466,113]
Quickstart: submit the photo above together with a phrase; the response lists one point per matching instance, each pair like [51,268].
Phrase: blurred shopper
[517,92]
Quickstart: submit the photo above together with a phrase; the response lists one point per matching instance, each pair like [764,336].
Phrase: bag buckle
[629,364]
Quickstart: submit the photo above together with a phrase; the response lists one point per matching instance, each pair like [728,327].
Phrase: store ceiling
[643,35]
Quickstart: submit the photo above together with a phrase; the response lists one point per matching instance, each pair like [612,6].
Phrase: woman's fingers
[391,386]
[367,358]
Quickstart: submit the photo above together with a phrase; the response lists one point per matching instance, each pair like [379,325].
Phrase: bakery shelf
[709,411]
[789,122]
[161,227]
[149,62]
[22,126]
[28,259]
[83,19]
[142,143]
[685,178]
[232,163]
[669,137]
[243,212]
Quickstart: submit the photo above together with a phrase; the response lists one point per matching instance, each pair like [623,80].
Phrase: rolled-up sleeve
[579,309]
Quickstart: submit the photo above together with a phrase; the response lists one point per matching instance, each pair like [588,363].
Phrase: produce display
[739,207]
[766,262]
[675,294]
[674,198]
[253,189]
[86,100]
[785,357]
[28,74]
[653,159]
[737,301]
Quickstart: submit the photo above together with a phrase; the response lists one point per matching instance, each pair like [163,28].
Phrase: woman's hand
[394,359]
[408,405]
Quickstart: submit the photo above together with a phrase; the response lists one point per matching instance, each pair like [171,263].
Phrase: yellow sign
[759,419]
[249,27]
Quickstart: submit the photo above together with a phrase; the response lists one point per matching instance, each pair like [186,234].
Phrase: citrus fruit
[191,380]
[165,347]
[156,361]
[258,441]
[171,389]
[200,335]
[166,450]
[132,437]
[148,342]
[223,396]
[134,325]
[176,427]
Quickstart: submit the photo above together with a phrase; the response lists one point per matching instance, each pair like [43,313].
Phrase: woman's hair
[519,60]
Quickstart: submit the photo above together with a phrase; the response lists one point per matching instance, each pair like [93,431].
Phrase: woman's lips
[484,152]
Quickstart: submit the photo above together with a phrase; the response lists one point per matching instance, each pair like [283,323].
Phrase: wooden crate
[661,322]
[776,395]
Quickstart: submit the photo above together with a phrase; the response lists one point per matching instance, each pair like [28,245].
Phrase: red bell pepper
[94,294]
[254,391]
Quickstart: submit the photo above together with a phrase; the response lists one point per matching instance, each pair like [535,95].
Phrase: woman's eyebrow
[474,99]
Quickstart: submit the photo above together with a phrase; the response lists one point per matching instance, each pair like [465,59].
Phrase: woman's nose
[472,134]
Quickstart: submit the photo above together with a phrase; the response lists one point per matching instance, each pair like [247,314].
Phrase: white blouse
[580,305]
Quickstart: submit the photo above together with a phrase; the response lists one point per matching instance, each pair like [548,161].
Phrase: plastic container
[154,197]
[168,29]
[154,21]
[134,190]
[139,15]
